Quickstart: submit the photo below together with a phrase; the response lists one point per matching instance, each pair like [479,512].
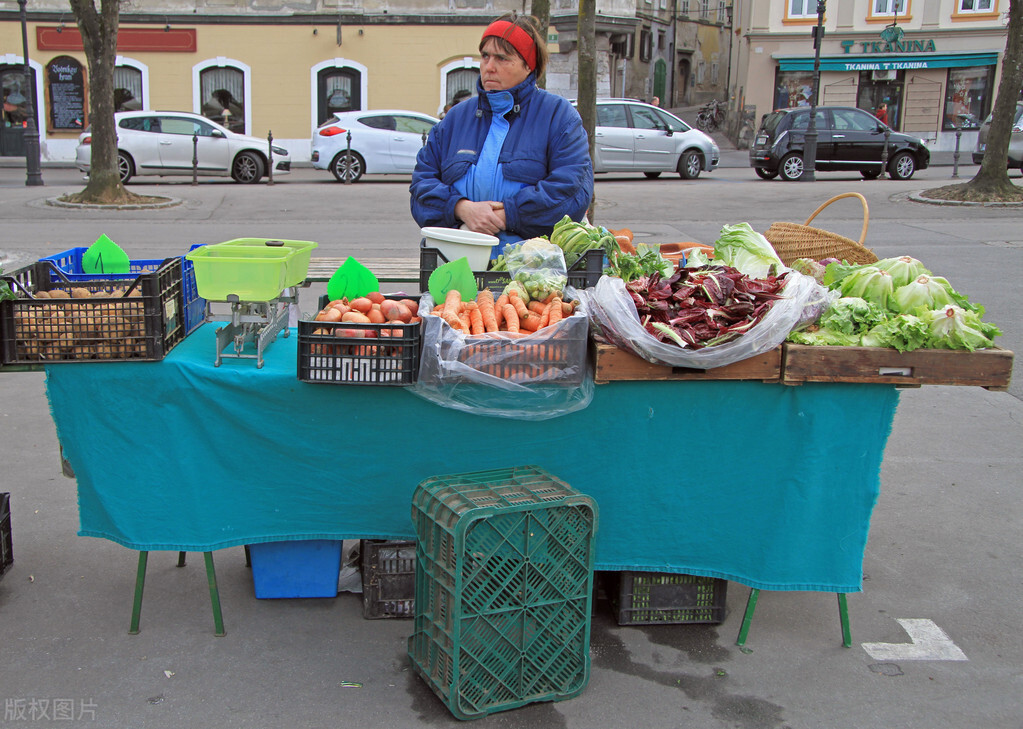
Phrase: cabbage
[747,250]
[925,292]
[851,314]
[869,283]
[903,269]
[952,327]
[904,332]
[698,258]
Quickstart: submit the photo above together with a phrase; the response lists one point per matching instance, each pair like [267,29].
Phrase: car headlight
[280,150]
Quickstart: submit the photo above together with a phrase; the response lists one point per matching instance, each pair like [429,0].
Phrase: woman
[513,160]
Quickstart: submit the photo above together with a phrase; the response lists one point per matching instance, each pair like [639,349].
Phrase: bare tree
[587,82]
[541,10]
[992,183]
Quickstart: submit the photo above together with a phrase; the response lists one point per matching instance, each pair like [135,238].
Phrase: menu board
[65,83]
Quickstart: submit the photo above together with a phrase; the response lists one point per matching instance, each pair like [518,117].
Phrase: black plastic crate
[583,274]
[6,537]
[387,354]
[651,598]
[140,319]
[388,579]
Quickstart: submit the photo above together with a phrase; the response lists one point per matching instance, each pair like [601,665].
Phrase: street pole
[30,137]
[810,147]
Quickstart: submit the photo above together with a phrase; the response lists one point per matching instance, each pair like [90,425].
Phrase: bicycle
[711,116]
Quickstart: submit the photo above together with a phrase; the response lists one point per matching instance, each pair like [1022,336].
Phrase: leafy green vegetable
[903,269]
[747,250]
[823,337]
[5,290]
[952,327]
[646,261]
[851,315]
[904,332]
[869,283]
[924,292]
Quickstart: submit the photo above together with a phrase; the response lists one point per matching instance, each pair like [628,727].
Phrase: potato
[79,293]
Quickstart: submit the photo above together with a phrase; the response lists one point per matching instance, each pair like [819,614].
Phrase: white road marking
[929,643]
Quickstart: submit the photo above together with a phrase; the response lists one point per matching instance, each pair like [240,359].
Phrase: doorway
[16,92]
[882,88]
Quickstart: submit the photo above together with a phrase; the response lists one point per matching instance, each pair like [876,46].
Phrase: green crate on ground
[651,598]
[504,581]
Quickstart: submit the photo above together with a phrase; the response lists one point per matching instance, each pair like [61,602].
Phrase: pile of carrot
[507,313]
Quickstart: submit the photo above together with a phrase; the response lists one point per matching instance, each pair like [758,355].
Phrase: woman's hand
[486,216]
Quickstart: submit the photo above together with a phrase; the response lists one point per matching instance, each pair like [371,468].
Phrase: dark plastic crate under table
[651,598]
[388,579]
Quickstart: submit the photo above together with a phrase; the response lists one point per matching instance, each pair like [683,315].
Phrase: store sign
[903,46]
[65,89]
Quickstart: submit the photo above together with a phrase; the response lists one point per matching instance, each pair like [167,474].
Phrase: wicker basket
[792,240]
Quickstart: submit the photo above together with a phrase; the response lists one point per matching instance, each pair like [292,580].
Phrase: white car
[160,143]
[383,142]
[632,136]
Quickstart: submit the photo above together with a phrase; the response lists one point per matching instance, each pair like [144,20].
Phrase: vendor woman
[511,161]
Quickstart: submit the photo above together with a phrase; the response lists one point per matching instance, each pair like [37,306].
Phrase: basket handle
[866,211]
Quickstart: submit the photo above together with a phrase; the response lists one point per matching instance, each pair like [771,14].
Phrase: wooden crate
[989,368]
[613,364]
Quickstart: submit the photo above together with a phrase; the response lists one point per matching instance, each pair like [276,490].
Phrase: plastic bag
[613,314]
[538,266]
[534,377]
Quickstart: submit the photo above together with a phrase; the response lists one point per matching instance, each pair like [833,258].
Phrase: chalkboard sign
[65,84]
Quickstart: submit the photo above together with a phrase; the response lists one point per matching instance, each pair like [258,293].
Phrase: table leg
[843,615]
[140,583]
[181,559]
[751,605]
[211,576]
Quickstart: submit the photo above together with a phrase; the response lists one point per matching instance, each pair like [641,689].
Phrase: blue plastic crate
[304,568]
[70,264]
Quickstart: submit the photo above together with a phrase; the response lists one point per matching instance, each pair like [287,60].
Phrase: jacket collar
[520,93]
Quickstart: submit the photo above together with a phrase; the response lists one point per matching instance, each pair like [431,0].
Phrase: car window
[190,127]
[413,124]
[381,121]
[140,123]
[612,115]
[854,120]
[801,120]
[770,122]
[670,122]
[646,118]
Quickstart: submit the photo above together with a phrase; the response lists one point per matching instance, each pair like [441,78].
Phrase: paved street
[943,547]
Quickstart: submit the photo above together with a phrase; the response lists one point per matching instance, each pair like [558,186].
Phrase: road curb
[170,202]
[919,198]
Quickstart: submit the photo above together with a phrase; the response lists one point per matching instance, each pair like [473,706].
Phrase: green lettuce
[869,283]
[903,332]
[822,337]
[952,327]
[923,292]
[747,250]
[902,269]
[851,314]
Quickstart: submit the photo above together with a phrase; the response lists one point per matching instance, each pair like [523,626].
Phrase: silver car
[1015,139]
[632,136]
[379,142]
[161,143]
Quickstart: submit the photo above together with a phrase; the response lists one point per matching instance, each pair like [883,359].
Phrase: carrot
[556,311]
[545,318]
[455,322]
[452,302]
[511,318]
[536,307]
[439,308]
[568,307]
[488,310]
[530,324]
[463,316]
[499,309]
[475,318]
[520,306]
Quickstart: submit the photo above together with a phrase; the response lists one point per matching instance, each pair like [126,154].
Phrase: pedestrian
[882,113]
[511,161]
[656,101]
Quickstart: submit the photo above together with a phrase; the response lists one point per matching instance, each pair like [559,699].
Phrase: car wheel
[765,174]
[125,167]
[652,175]
[791,167]
[689,165]
[345,167]
[247,168]
[902,167]
[870,174]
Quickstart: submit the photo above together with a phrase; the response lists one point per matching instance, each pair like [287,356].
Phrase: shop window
[968,97]
[222,90]
[793,88]
[127,89]
[461,82]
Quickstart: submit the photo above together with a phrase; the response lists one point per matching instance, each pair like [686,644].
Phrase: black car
[847,139]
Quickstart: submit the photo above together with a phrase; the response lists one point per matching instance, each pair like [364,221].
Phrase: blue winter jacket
[546,150]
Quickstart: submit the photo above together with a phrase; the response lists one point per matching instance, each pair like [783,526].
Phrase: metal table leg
[140,583]
[751,605]
[211,578]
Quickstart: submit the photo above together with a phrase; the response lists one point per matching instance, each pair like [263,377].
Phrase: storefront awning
[914,61]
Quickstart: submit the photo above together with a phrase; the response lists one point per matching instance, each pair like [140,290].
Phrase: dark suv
[848,139]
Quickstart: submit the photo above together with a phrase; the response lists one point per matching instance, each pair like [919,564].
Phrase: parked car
[849,139]
[1015,139]
[383,142]
[160,143]
[631,136]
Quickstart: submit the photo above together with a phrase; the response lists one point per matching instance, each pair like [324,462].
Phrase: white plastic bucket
[455,243]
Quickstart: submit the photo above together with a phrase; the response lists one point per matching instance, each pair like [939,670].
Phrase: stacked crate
[504,577]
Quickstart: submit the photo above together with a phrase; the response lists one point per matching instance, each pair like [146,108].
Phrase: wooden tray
[989,368]
[614,364]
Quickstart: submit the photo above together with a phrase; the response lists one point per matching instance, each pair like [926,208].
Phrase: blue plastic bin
[70,264]
[305,568]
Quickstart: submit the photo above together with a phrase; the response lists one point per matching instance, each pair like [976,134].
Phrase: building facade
[933,64]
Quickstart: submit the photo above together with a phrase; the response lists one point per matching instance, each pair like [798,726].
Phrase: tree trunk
[587,82]
[993,174]
[99,40]
[541,10]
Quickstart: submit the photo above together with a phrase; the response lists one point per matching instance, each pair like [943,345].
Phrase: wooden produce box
[614,364]
[988,368]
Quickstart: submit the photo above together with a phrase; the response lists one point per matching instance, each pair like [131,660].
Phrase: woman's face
[500,70]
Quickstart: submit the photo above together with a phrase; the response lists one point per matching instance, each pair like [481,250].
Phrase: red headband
[520,40]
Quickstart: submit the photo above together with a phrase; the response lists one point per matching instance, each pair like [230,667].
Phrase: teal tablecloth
[764,484]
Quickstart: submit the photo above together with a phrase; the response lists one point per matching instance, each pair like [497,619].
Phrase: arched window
[458,79]
[128,94]
[222,91]
[338,85]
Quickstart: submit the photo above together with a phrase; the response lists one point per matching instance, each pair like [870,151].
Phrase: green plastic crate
[504,578]
[652,598]
[253,269]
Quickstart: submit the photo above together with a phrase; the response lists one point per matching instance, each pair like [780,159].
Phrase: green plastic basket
[253,269]
[504,577]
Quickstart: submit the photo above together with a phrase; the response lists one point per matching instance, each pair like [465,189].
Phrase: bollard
[348,157]
[955,155]
[195,158]
[884,152]
[424,139]
[270,157]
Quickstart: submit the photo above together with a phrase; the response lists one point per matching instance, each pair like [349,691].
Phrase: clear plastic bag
[538,266]
[613,314]
[538,376]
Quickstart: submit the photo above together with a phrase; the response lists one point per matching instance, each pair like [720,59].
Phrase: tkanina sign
[881,46]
